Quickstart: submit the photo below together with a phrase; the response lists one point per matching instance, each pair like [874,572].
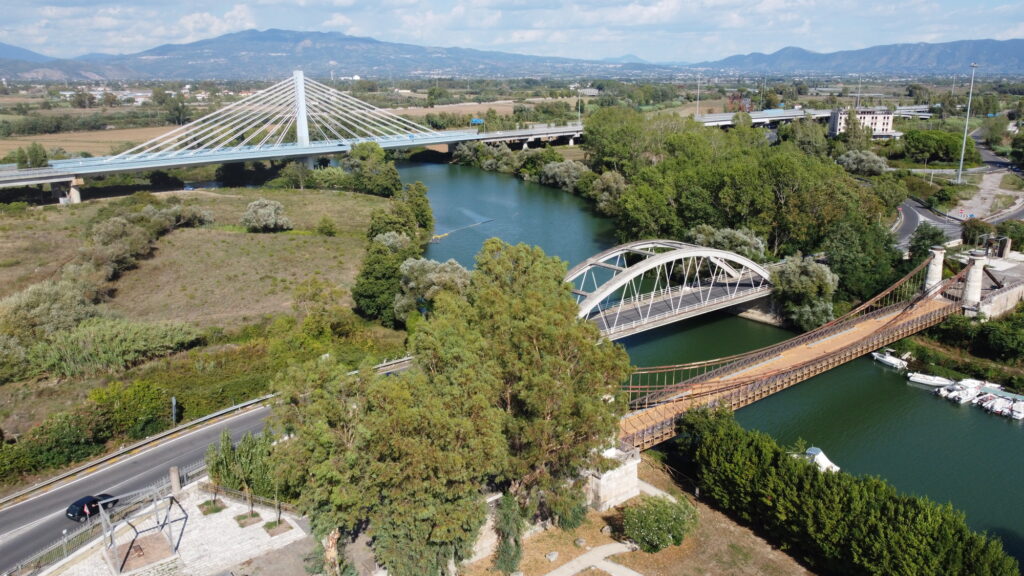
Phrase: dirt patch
[97,142]
[212,507]
[502,107]
[552,540]
[990,197]
[275,528]
[284,561]
[717,546]
[247,519]
[143,552]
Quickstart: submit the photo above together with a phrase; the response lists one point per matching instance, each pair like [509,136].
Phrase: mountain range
[273,54]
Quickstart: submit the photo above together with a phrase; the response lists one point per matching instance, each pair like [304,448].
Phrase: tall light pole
[967,119]
[697,116]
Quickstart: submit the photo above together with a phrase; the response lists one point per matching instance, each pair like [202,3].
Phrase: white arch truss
[654,282]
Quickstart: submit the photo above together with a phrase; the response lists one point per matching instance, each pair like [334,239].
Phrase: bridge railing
[742,392]
[616,327]
[644,394]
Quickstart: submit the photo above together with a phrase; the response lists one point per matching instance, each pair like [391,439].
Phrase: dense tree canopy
[510,389]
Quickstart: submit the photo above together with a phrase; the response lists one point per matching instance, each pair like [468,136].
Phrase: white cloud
[337,20]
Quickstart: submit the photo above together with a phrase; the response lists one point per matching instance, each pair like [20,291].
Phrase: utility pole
[697,116]
[967,121]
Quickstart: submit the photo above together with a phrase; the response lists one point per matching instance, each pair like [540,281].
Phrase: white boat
[973,382]
[889,360]
[1017,410]
[817,456]
[928,379]
[984,399]
[945,391]
[966,395]
[1000,406]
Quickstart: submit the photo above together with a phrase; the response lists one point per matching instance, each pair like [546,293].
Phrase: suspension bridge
[295,118]
[659,396]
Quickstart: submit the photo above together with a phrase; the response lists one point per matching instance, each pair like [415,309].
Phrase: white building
[878,119]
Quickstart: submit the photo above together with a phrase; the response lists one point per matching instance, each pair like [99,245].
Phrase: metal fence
[91,531]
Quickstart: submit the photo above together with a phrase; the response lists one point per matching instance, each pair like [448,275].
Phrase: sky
[654,30]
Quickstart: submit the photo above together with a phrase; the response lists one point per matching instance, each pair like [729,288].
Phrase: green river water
[864,416]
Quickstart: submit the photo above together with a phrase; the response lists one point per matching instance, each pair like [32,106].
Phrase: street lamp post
[967,120]
[697,116]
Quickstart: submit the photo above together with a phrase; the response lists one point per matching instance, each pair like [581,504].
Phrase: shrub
[508,524]
[13,360]
[44,309]
[326,227]
[133,410]
[111,344]
[265,216]
[657,523]
[862,162]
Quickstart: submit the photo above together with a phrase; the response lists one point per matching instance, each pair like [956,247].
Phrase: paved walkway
[210,544]
[596,559]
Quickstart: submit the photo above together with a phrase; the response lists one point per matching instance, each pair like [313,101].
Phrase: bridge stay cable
[739,380]
[282,116]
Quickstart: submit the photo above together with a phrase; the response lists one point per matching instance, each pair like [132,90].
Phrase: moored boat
[928,379]
[885,357]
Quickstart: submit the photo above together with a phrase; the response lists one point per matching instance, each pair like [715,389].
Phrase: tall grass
[103,344]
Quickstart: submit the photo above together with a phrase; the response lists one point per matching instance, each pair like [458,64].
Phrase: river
[864,416]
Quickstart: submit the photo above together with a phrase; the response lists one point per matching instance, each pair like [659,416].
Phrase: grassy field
[226,277]
[34,246]
[214,276]
[97,142]
[1011,181]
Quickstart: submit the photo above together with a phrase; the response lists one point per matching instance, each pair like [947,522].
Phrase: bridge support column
[972,292]
[934,275]
[572,141]
[526,144]
[74,194]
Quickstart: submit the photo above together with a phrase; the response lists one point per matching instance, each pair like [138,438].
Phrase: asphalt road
[914,215]
[29,526]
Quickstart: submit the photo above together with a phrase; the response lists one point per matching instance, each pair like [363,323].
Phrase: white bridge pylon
[646,284]
[297,113]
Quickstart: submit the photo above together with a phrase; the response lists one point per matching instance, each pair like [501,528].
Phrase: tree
[803,288]
[422,280]
[36,156]
[861,254]
[379,279]
[265,216]
[973,228]
[559,385]
[1014,230]
[415,197]
[82,99]
[296,173]
[924,237]
[371,170]
[177,110]
[857,136]
[21,157]
[862,162]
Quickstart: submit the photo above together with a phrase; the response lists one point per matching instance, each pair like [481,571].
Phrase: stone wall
[615,486]
[1003,302]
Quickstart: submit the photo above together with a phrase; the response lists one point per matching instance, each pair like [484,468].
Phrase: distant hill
[273,54]
[993,57]
[8,52]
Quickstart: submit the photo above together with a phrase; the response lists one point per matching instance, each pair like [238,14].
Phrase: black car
[88,506]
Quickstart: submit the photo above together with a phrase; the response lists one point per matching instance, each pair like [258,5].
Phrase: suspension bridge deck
[750,379]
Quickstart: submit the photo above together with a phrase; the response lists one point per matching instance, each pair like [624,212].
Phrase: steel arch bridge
[646,284]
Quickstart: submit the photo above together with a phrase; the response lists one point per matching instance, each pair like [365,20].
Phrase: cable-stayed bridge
[295,118]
